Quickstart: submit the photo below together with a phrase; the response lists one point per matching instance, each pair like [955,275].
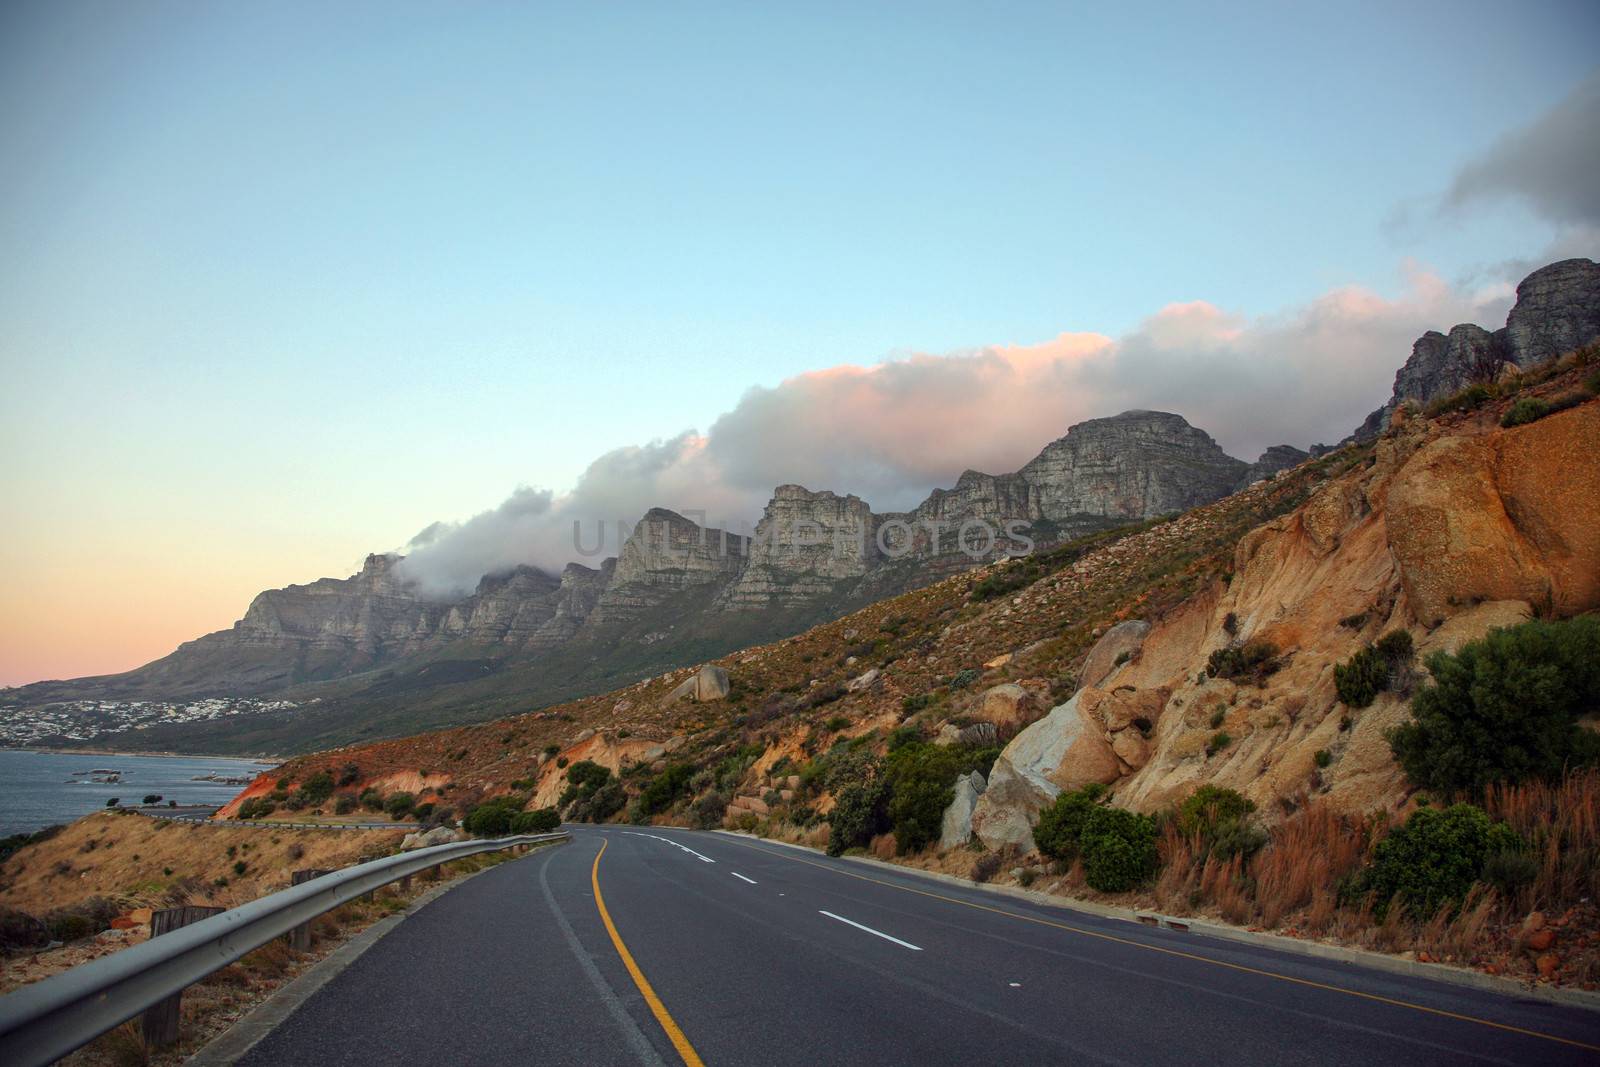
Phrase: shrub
[1219,741]
[551,750]
[836,723]
[708,810]
[350,775]
[372,800]
[1119,849]
[1371,670]
[492,818]
[1471,398]
[152,798]
[1210,806]
[913,704]
[537,821]
[920,778]
[1526,410]
[660,794]
[1505,709]
[1592,383]
[860,801]
[903,736]
[257,808]
[422,811]
[964,678]
[317,788]
[345,804]
[1253,661]
[1434,859]
[399,805]
[561,761]
[1058,834]
[986,866]
[113,802]
[1322,757]
[20,931]
[239,867]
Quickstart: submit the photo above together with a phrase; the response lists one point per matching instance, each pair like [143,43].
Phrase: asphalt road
[755,953]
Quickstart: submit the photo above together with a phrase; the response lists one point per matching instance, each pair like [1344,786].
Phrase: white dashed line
[870,930]
[674,844]
[742,878]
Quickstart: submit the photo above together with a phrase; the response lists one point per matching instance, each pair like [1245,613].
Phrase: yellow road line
[784,853]
[691,1058]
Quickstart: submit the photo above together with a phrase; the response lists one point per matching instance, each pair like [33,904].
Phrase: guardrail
[42,1022]
[271,824]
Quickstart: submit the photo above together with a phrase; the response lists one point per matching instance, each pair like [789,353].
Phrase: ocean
[38,789]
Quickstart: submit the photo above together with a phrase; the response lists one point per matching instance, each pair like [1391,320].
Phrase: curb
[234,1043]
[1376,961]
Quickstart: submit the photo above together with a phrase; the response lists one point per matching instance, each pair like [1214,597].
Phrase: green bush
[1471,398]
[345,804]
[257,808]
[861,794]
[1526,410]
[399,805]
[1322,757]
[1059,832]
[1252,661]
[708,810]
[964,678]
[661,793]
[372,800]
[113,802]
[152,798]
[1211,806]
[913,704]
[835,724]
[920,779]
[1505,709]
[1219,741]
[317,788]
[1371,670]
[537,821]
[1434,859]
[492,818]
[1119,849]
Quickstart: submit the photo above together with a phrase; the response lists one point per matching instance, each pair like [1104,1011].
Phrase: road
[747,952]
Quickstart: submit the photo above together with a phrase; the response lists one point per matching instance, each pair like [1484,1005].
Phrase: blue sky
[285,283]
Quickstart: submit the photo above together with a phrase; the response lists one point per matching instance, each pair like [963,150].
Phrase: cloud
[892,431]
[1552,164]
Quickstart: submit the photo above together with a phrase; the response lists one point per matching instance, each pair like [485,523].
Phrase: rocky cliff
[1557,310]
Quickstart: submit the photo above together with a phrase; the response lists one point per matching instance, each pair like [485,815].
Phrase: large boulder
[439,835]
[957,827]
[1121,641]
[1557,310]
[708,683]
[1009,707]
[1064,750]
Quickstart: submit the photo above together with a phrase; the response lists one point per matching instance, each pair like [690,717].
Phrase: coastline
[270,761]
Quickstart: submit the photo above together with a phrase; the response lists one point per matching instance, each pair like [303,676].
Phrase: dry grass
[1562,824]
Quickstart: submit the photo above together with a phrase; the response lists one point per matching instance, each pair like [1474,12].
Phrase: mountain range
[371,655]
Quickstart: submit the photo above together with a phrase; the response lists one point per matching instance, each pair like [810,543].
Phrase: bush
[964,678]
[1526,410]
[1059,832]
[492,818]
[399,805]
[317,788]
[920,783]
[113,802]
[986,866]
[860,801]
[1434,859]
[1219,741]
[350,775]
[372,800]
[1371,670]
[1253,661]
[1119,849]
[913,704]
[1505,709]
[152,798]
[1471,398]
[1592,383]
[708,810]
[257,808]
[537,821]
[1211,806]
[345,804]
[20,931]
[660,794]
[1322,757]
[835,724]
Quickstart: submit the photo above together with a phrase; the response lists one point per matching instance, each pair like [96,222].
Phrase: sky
[286,284]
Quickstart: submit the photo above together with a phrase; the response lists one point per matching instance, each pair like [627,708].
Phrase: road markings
[742,878]
[870,930]
[784,854]
[674,844]
[691,1058]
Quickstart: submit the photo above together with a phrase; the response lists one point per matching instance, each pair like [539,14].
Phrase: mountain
[1557,310]
[677,592]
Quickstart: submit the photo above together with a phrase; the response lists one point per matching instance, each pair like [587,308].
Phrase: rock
[748,803]
[1273,460]
[582,736]
[865,681]
[956,829]
[1539,940]
[1009,707]
[786,795]
[1132,748]
[982,734]
[439,835]
[707,684]
[1063,750]
[1125,638]
[1557,310]
[1548,965]
[949,734]
[1478,518]
[1123,708]
[998,662]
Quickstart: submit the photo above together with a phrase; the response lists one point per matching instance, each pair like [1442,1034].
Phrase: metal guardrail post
[160,1022]
[300,936]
